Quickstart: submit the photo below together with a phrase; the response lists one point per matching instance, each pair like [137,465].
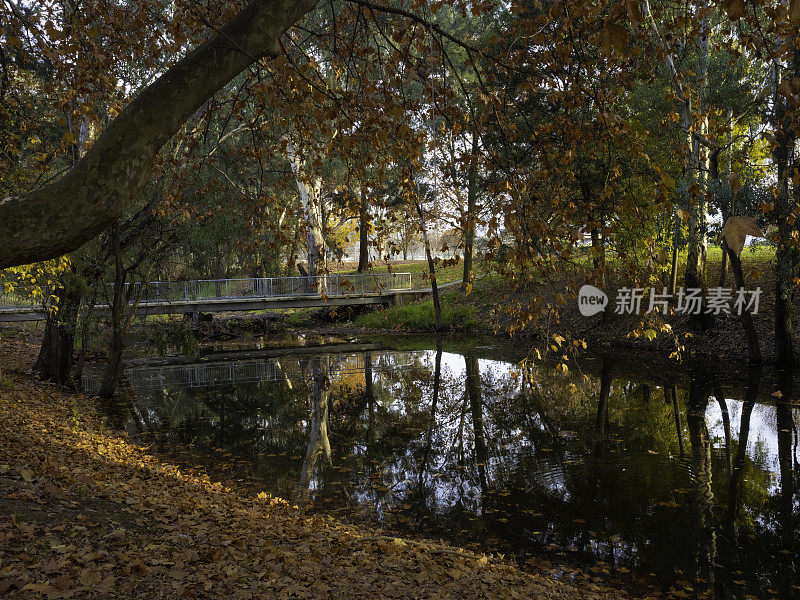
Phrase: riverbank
[506,307]
[93,514]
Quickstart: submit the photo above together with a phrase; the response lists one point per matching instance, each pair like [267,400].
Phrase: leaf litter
[87,513]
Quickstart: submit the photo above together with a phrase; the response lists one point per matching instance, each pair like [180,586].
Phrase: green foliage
[174,335]
[420,316]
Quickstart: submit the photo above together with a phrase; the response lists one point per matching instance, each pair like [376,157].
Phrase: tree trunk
[673,269]
[702,499]
[60,217]
[786,259]
[55,356]
[437,307]
[86,322]
[311,199]
[363,231]
[291,261]
[318,441]
[113,369]
[123,310]
[599,249]
[698,249]
[753,345]
[471,217]
[476,409]
[605,392]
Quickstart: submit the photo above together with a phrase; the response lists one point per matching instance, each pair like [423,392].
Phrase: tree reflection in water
[642,470]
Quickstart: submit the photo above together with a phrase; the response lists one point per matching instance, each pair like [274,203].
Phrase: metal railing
[19,299]
[356,284]
[273,287]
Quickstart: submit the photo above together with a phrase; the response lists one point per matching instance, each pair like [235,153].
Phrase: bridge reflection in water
[675,476]
[139,381]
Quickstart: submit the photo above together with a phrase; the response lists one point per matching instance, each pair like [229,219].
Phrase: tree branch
[59,218]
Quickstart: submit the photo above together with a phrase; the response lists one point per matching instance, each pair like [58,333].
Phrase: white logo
[591,300]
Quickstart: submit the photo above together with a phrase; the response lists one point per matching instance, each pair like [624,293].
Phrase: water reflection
[683,478]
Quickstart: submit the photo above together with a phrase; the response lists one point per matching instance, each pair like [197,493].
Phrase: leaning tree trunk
[728,255]
[60,217]
[753,345]
[55,356]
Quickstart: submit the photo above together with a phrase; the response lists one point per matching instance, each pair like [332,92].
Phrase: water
[645,475]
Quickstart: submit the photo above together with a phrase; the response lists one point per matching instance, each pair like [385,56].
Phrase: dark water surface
[684,479]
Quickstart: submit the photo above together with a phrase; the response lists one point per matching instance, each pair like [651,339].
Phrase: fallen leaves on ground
[92,515]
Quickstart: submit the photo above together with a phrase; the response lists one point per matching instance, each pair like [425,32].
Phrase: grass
[476,310]
[758,261]
[420,316]
[419,268]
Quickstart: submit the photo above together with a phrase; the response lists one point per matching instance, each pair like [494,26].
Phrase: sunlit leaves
[33,282]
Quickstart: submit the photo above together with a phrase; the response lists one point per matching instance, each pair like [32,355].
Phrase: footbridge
[230,295]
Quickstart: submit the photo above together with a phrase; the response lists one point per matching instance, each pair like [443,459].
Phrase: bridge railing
[272,287]
[337,284]
[19,299]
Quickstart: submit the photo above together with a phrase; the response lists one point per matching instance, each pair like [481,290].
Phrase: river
[621,469]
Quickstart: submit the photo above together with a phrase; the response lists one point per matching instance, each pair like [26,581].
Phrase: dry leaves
[95,516]
[737,229]
[736,185]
